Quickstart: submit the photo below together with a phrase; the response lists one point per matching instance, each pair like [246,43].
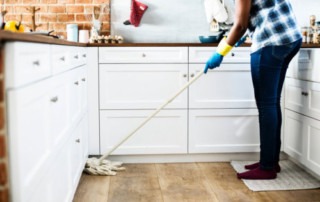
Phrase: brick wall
[56,14]
[4,181]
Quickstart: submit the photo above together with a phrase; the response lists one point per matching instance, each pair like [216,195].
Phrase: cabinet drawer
[61,60]
[202,54]
[229,86]
[303,97]
[166,133]
[223,130]
[143,55]
[28,62]
[306,65]
[141,86]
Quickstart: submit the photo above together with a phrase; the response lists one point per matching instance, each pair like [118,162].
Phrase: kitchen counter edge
[6,36]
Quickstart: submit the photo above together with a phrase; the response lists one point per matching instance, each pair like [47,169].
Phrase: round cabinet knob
[36,63]
[78,140]
[76,56]
[54,99]
[83,79]
[76,83]
[184,75]
[63,58]
[192,75]
[232,54]
[144,55]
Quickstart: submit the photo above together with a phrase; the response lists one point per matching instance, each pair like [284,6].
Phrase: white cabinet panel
[26,63]
[313,149]
[294,137]
[229,86]
[202,54]
[303,97]
[47,153]
[143,55]
[29,139]
[223,130]
[141,86]
[302,136]
[306,66]
[164,134]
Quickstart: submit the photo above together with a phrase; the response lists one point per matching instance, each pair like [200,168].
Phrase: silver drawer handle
[83,79]
[54,99]
[76,83]
[143,55]
[304,93]
[84,55]
[76,56]
[36,63]
[63,58]
[78,140]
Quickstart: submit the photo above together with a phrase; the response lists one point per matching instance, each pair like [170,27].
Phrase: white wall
[165,21]
[304,8]
[175,21]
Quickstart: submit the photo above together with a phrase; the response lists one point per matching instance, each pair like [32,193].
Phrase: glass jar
[72,32]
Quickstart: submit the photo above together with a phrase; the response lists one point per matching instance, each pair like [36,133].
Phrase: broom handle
[152,115]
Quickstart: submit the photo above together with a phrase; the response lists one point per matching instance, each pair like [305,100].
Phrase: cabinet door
[312,144]
[141,86]
[164,134]
[76,99]
[29,137]
[223,130]
[302,137]
[229,86]
[59,109]
[294,137]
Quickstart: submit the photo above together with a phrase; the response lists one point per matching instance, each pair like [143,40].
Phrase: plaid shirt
[272,23]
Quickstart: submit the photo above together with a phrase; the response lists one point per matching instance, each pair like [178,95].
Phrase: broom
[101,166]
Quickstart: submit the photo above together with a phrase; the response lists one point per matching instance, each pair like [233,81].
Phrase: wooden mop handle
[153,114]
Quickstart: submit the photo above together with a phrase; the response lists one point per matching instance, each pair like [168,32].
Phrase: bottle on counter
[304,32]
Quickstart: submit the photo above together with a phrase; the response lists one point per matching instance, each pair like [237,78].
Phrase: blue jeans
[268,69]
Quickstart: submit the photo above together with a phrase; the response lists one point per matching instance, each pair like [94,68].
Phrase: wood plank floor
[174,182]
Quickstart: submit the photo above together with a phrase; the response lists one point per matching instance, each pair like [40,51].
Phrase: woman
[276,39]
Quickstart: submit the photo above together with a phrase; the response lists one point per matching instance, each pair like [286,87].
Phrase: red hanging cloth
[137,11]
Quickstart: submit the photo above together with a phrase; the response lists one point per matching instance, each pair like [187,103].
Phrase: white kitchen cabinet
[133,81]
[131,55]
[202,54]
[27,62]
[166,133]
[302,137]
[303,97]
[47,145]
[302,114]
[222,112]
[141,86]
[223,130]
[229,86]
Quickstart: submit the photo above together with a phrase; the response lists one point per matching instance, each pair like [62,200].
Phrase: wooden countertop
[10,36]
